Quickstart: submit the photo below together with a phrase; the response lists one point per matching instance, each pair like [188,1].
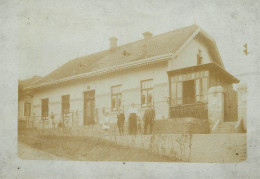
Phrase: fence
[51,121]
[196,110]
[74,119]
[186,147]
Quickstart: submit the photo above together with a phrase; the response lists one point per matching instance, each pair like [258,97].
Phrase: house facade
[172,71]
[25,100]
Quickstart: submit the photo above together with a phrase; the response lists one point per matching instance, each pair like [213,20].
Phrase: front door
[188,92]
[89,107]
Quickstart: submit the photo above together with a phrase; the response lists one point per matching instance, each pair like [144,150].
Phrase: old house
[25,100]
[172,71]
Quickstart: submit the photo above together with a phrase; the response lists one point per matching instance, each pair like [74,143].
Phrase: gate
[230,106]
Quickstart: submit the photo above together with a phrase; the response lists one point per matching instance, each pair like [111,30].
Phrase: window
[45,108]
[146,93]
[65,105]
[188,90]
[176,93]
[116,97]
[199,58]
[182,91]
[179,93]
[27,109]
[198,83]
[173,91]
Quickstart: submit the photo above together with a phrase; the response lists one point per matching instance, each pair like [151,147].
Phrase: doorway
[89,107]
[188,91]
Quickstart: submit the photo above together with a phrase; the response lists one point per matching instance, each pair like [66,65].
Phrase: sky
[50,33]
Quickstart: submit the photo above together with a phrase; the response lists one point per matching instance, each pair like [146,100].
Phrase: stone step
[232,122]
[227,124]
[220,127]
[224,131]
[226,127]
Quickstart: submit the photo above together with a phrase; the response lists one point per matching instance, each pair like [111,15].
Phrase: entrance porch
[188,90]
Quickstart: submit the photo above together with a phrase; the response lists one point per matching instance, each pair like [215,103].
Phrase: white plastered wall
[188,56]
[130,81]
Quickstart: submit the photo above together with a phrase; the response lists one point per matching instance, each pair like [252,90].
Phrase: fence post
[242,104]
[215,105]
[33,121]
[27,121]
[52,119]
[72,119]
[42,126]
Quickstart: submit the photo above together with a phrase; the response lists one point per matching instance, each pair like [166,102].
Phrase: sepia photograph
[149,81]
[164,97]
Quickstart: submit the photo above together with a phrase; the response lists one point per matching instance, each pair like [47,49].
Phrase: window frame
[116,95]
[45,108]
[200,77]
[143,105]
[24,112]
[65,105]
[178,96]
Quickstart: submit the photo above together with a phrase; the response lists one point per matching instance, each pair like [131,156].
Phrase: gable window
[116,97]
[176,92]
[199,58]
[45,108]
[146,92]
[65,105]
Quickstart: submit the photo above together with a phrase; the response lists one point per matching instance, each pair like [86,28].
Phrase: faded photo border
[11,47]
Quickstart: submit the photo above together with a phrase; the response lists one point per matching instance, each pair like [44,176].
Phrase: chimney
[113,43]
[147,35]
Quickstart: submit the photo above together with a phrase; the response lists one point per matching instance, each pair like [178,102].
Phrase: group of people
[134,120]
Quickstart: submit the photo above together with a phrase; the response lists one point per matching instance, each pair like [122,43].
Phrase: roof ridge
[159,35]
[123,45]
[159,44]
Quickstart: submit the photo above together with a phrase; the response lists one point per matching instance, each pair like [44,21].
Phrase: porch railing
[196,110]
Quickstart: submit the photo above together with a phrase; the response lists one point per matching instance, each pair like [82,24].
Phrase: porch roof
[212,67]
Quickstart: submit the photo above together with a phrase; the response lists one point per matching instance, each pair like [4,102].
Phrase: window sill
[142,108]
[113,112]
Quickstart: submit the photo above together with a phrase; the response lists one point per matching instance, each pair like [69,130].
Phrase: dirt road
[81,148]
[29,153]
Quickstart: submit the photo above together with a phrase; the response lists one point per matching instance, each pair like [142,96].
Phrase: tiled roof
[25,83]
[28,82]
[165,43]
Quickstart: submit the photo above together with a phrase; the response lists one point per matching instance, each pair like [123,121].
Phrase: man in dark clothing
[120,121]
[132,119]
[132,123]
[149,116]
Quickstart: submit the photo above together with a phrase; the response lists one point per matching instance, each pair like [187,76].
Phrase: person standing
[106,126]
[149,116]
[120,121]
[132,119]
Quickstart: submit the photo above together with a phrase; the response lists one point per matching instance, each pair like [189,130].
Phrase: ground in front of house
[82,149]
